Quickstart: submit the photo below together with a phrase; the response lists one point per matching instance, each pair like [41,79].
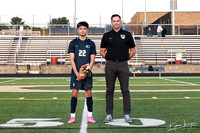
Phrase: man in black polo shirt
[117,47]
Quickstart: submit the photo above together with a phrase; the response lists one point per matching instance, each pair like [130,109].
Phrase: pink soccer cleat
[91,120]
[72,120]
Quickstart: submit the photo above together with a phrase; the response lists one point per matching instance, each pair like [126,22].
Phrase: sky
[95,12]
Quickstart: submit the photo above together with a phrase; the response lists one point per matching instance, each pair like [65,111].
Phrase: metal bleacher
[150,51]
[161,50]
[37,51]
[5,44]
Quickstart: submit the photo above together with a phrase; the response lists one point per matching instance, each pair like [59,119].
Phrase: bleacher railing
[95,29]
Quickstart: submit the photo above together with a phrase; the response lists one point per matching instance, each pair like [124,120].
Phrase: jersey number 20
[82,52]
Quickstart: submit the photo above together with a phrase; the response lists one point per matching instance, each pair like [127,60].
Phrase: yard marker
[187,97]
[54,98]
[21,98]
[120,97]
[154,97]
[84,124]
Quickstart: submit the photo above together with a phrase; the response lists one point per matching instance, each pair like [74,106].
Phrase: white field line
[10,80]
[95,78]
[84,123]
[159,77]
[178,81]
[37,78]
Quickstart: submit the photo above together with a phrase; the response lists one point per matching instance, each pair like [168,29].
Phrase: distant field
[152,112]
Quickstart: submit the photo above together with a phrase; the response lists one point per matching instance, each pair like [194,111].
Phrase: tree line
[19,21]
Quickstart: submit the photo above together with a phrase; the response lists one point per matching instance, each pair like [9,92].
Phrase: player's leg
[89,102]
[110,75]
[75,93]
[123,77]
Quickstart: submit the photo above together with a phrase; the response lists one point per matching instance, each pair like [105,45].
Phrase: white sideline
[10,80]
[84,123]
[178,81]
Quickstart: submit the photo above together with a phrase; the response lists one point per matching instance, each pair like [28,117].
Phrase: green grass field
[152,112]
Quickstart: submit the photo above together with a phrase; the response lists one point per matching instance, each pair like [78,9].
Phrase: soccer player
[82,51]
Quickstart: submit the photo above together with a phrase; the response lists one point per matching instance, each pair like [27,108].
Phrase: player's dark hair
[82,23]
[115,15]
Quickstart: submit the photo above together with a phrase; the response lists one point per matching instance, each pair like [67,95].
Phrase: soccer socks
[73,104]
[73,109]
[89,102]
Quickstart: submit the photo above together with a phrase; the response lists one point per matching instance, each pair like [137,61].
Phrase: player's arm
[103,52]
[92,60]
[132,52]
[73,64]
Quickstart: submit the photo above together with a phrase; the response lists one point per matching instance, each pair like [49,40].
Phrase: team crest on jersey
[123,36]
[87,46]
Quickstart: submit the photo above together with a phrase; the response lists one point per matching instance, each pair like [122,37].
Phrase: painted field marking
[187,97]
[146,122]
[10,80]
[38,122]
[178,81]
[37,99]
[84,123]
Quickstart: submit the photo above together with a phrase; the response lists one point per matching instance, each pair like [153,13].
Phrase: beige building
[187,23]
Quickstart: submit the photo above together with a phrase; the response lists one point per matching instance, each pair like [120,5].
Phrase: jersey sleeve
[93,48]
[131,41]
[103,41]
[71,48]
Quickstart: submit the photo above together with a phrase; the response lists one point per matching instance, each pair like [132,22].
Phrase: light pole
[173,7]
[75,17]
[122,11]
[173,17]
[145,14]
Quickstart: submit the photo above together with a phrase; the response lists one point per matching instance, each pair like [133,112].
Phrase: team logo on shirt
[87,46]
[122,36]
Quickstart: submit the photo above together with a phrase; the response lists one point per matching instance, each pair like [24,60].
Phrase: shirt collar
[118,31]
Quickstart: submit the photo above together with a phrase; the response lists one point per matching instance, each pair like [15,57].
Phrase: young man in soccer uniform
[82,51]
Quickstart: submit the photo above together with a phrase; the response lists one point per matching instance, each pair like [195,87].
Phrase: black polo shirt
[117,44]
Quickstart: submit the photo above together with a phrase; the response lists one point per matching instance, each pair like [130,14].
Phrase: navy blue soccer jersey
[82,51]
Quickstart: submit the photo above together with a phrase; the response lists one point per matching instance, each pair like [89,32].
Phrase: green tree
[16,20]
[62,20]
[3,27]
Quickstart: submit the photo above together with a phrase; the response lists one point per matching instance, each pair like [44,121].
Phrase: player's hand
[80,77]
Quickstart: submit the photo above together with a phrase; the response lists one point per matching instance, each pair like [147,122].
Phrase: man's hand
[103,52]
[132,52]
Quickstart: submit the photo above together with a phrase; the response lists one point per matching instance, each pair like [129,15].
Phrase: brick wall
[66,69]
[181,17]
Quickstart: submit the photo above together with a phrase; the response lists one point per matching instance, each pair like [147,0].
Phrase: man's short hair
[115,15]
[82,23]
